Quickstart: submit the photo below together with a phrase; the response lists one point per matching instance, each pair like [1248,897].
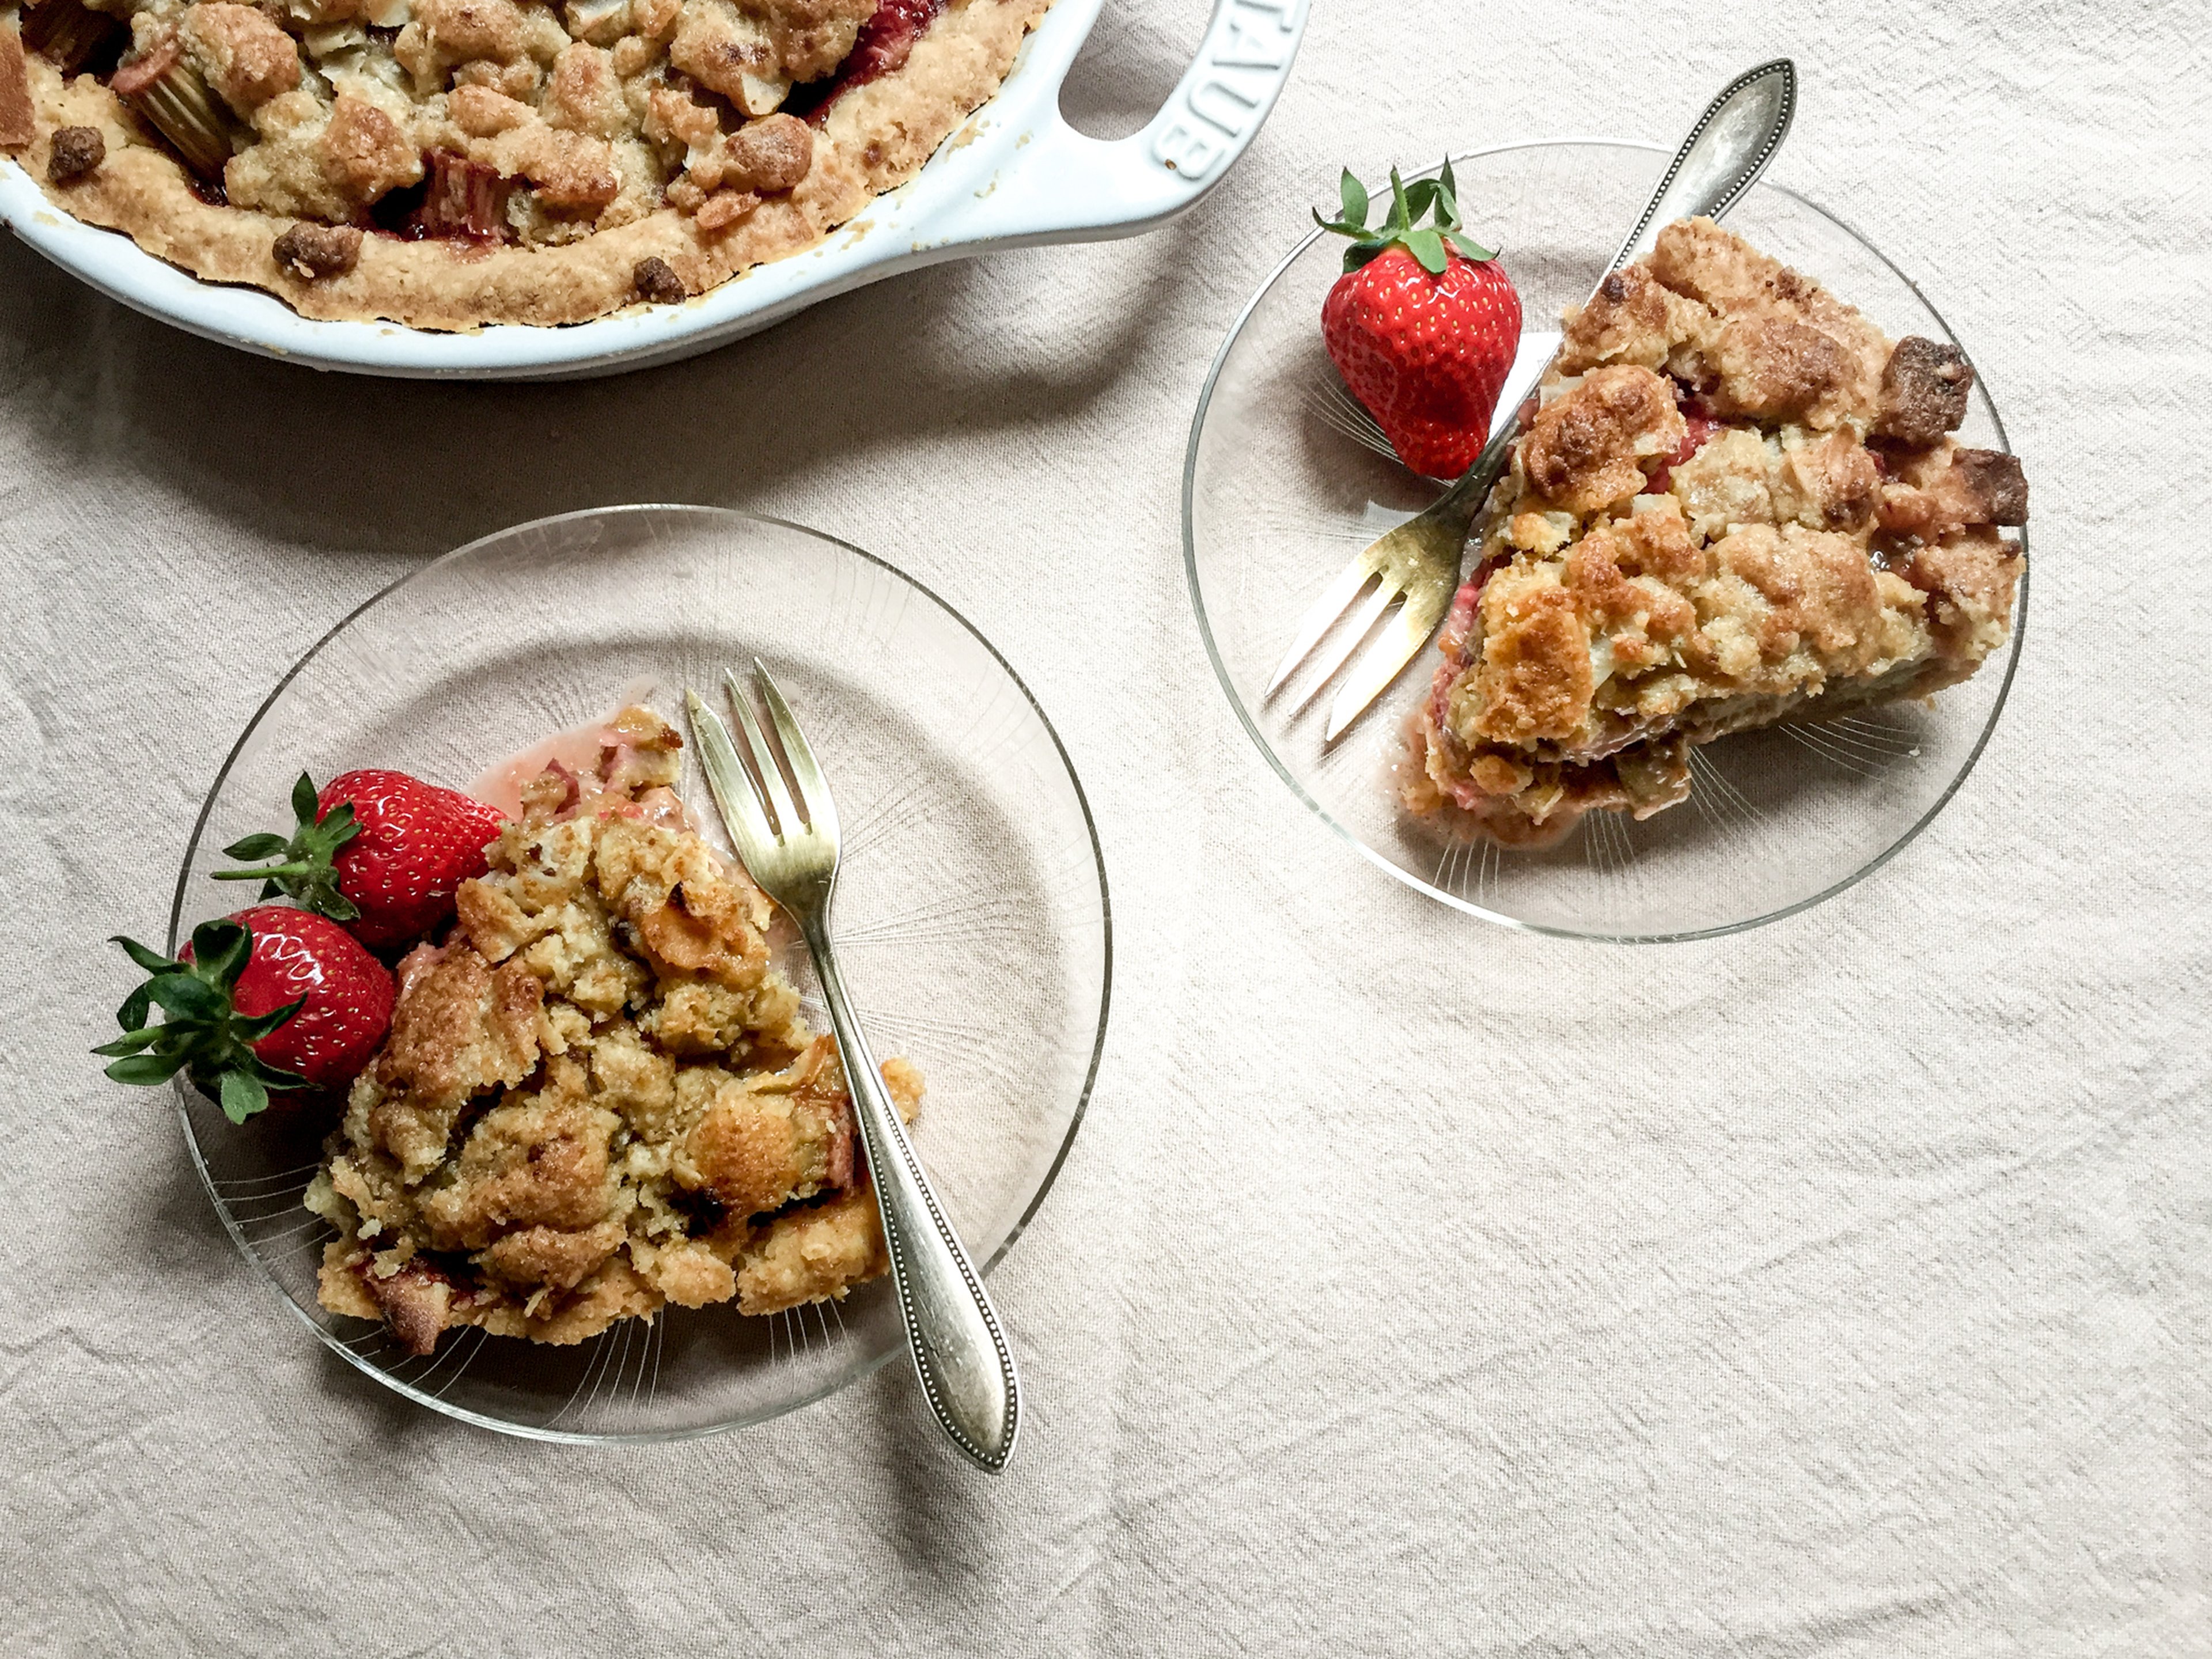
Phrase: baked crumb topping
[598,1095]
[506,159]
[1739,503]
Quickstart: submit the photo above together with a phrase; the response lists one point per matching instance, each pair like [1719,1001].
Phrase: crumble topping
[599,1095]
[1738,503]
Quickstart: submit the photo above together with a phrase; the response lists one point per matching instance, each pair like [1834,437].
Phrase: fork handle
[1726,150]
[959,1352]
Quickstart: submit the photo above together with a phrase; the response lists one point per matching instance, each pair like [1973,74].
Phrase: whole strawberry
[271,998]
[377,849]
[1423,324]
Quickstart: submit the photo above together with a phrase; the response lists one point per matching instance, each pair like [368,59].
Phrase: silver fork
[1726,150]
[959,1352]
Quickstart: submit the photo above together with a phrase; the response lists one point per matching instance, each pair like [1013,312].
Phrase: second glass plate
[972,920]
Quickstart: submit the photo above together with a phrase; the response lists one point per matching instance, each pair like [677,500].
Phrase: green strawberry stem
[202,1034]
[1436,198]
[306,875]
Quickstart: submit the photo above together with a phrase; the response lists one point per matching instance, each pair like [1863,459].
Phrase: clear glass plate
[1280,491]
[971,918]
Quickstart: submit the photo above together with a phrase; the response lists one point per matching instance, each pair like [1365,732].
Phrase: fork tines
[771,790]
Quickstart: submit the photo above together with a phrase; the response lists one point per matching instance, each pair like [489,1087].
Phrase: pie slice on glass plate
[598,1096]
[1739,503]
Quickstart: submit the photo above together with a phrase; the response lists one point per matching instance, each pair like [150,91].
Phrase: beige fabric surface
[1844,1288]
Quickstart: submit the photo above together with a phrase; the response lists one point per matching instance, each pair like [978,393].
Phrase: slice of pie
[448,163]
[599,1095]
[1739,503]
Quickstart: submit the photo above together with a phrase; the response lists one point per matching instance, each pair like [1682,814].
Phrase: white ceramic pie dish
[1014,175]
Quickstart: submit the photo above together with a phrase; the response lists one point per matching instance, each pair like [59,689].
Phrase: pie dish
[1284,482]
[599,1095]
[1739,502]
[973,933]
[450,163]
[1011,173]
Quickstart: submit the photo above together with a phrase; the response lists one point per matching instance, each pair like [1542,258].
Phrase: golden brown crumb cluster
[1738,503]
[509,160]
[599,1095]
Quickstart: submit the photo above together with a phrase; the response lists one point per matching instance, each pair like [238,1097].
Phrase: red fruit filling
[137,78]
[883,45]
[1698,416]
[465,198]
[1452,638]
[458,200]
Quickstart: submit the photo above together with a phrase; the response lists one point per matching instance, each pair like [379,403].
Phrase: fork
[790,844]
[1417,563]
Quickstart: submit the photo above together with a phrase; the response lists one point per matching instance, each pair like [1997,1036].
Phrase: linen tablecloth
[1841,1288]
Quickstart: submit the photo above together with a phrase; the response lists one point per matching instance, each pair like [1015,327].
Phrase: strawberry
[379,850]
[1423,324]
[271,998]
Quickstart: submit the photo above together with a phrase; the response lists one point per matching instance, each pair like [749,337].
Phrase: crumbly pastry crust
[598,1097]
[606,185]
[1739,503]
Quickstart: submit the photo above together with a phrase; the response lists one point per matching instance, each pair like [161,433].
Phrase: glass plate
[1280,491]
[972,917]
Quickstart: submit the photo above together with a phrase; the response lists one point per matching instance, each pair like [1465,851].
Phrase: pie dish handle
[1070,188]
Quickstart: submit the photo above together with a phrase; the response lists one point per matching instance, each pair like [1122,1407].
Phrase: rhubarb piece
[464,198]
[658,284]
[18,122]
[70,36]
[75,155]
[173,99]
[315,252]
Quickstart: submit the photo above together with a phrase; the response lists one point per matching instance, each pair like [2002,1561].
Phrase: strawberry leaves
[200,1033]
[1436,199]
[305,873]
[1355,202]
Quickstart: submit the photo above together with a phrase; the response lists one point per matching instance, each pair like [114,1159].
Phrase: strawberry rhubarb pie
[448,163]
[584,1092]
[1739,503]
